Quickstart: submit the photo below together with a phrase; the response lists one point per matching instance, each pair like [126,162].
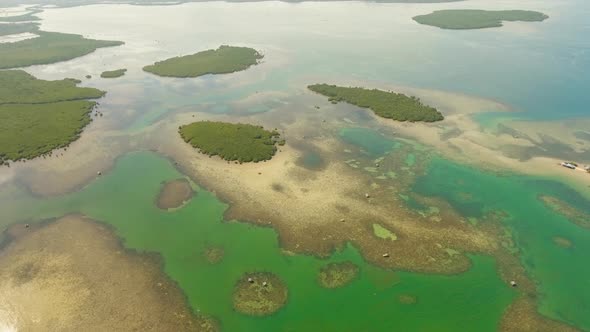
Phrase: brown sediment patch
[74,275]
[214,255]
[407,299]
[522,315]
[570,212]
[562,242]
[259,294]
[174,194]
[335,275]
[308,209]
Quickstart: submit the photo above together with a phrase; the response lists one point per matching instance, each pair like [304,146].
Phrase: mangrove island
[113,73]
[231,141]
[224,60]
[390,105]
[48,47]
[38,116]
[476,19]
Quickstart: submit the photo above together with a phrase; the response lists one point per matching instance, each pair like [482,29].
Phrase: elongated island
[113,73]
[390,105]
[461,19]
[224,60]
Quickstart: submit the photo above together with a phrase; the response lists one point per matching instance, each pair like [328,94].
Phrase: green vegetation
[259,294]
[476,19]
[113,73]
[13,29]
[225,59]
[335,275]
[49,47]
[37,116]
[391,105]
[383,233]
[22,18]
[31,130]
[19,87]
[232,142]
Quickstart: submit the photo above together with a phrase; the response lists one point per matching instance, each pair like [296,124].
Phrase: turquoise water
[541,69]
[562,273]
[124,198]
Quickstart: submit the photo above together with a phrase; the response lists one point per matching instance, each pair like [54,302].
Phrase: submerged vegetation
[335,275]
[391,105]
[113,73]
[259,294]
[49,47]
[233,142]
[37,116]
[476,19]
[575,215]
[225,59]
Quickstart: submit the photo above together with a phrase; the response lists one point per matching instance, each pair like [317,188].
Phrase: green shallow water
[124,198]
[563,274]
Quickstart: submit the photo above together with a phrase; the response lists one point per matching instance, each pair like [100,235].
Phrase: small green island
[224,60]
[460,19]
[38,116]
[113,73]
[259,294]
[336,275]
[48,47]
[386,104]
[232,141]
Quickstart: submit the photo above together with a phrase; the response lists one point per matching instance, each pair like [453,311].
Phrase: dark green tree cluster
[391,105]
[49,47]
[38,116]
[225,59]
[20,87]
[477,19]
[113,73]
[233,142]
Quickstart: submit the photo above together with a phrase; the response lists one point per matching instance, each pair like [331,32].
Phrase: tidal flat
[468,225]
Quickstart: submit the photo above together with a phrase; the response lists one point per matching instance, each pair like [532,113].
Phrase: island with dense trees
[38,116]
[113,73]
[232,141]
[477,19]
[386,104]
[48,47]
[224,60]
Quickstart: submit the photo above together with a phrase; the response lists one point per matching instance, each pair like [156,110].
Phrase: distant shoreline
[75,3]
